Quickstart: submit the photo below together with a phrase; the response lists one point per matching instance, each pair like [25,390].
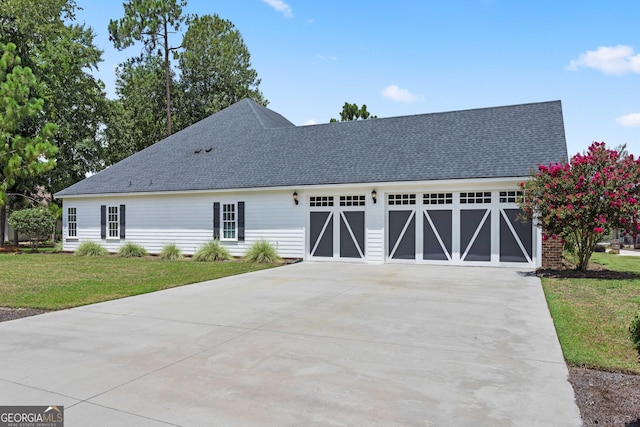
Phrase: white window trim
[74,222]
[224,221]
[116,222]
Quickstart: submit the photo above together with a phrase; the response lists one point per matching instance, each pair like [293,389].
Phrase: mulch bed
[17,313]
[606,398]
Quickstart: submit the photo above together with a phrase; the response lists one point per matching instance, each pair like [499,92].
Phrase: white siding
[376,230]
[271,214]
[187,220]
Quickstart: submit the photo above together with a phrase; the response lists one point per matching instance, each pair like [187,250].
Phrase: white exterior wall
[187,220]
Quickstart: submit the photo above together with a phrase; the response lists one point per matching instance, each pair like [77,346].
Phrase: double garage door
[481,228]
[337,228]
[459,228]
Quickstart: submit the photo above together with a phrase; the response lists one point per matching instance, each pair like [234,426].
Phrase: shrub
[89,248]
[586,199]
[212,251]
[170,252]
[262,251]
[599,248]
[131,250]
[634,332]
[38,223]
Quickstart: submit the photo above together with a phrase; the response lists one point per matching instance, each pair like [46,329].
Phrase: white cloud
[280,6]
[328,58]
[610,60]
[310,122]
[630,120]
[398,94]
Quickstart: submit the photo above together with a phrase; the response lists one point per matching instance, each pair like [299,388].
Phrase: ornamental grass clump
[262,251]
[131,250]
[170,252]
[90,248]
[212,251]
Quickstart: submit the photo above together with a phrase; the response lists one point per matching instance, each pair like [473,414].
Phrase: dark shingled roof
[249,146]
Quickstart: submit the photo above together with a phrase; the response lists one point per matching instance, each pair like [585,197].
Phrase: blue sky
[404,57]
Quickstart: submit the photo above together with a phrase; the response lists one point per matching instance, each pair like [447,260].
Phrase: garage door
[479,228]
[337,227]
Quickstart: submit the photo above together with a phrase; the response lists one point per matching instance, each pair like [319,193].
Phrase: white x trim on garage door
[477,228]
[336,227]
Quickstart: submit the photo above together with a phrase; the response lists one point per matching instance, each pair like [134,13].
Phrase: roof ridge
[350,122]
[252,105]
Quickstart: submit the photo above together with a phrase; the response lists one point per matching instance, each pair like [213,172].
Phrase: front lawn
[592,316]
[57,281]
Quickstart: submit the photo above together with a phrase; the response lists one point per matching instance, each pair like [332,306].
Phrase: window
[475,197]
[437,198]
[112,222]
[72,223]
[318,201]
[510,196]
[229,221]
[352,201]
[402,199]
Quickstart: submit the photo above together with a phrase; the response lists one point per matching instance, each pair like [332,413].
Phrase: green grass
[592,316]
[57,281]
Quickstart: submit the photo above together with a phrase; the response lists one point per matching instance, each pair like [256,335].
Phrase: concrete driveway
[306,344]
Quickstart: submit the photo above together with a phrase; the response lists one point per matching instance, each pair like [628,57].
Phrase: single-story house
[432,188]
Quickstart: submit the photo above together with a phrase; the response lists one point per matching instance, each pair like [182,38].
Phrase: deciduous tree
[61,55]
[215,69]
[38,223]
[353,112]
[137,118]
[583,200]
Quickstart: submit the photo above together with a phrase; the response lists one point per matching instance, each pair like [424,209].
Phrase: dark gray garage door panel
[348,247]
[510,250]
[442,222]
[322,242]
[406,247]
[480,249]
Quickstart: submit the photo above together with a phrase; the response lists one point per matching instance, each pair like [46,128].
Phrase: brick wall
[552,254]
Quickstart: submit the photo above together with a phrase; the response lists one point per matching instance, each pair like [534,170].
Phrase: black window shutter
[241,221]
[216,220]
[103,222]
[123,221]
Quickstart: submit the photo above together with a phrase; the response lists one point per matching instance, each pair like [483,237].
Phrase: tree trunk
[3,224]
[167,75]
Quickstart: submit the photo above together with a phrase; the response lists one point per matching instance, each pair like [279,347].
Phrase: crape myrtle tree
[596,193]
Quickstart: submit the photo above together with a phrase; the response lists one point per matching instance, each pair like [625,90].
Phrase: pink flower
[598,230]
